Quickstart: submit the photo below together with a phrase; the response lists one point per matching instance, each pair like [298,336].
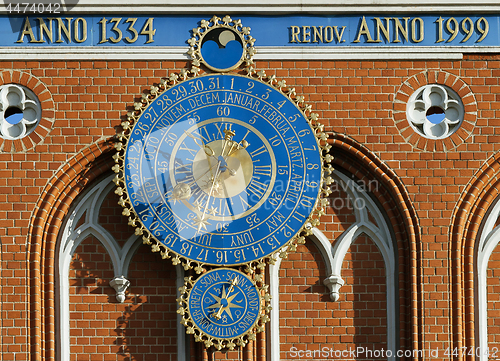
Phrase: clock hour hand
[241,145]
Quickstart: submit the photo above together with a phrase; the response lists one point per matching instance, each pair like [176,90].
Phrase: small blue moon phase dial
[221,44]
[223,308]
[222,48]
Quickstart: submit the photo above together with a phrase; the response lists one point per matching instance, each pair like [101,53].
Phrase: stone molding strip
[263,53]
[281,6]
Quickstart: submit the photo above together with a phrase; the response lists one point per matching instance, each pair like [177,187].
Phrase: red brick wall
[310,321]
[141,328]
[93,311]
[112,219]
[355,98]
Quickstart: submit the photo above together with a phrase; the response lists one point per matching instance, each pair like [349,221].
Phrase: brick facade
[434,195]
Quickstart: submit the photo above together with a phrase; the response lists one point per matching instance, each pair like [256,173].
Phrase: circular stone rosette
[221,44]
[20,111]
[435,111]
[224,308]
[195,259]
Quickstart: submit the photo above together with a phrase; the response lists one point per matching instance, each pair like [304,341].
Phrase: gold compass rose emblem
[224,303]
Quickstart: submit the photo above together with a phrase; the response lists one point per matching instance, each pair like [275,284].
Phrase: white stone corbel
[334,283]
[120,284]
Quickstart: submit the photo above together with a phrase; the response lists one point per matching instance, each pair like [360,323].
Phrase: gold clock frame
[148,238]
[255,268]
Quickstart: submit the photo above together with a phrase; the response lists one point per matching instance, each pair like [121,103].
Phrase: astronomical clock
[222,169]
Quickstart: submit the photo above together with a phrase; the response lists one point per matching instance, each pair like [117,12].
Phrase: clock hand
[217,315]
[208,151]
[228,136]
[241,145]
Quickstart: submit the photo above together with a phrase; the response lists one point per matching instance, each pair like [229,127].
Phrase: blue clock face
[224,303]
[222,169]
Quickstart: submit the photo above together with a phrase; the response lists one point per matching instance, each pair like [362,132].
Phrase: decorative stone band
[430,92]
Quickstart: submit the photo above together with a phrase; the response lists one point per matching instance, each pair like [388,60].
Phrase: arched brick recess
[48,111]
[435,76]
[111,218]
[309,317]
[470,210]
[366,274]
[493,291]
[91,322]
[148,327]
[394,199]
[144,326]
[45,223]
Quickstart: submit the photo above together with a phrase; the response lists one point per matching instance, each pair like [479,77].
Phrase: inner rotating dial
[235,170]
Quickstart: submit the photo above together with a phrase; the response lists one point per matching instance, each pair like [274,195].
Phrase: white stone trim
[364,53]
[223,7]
[182,349]
[274,291]
[333,257]
[120,285]
[488,241]
[71,238]
[263,53]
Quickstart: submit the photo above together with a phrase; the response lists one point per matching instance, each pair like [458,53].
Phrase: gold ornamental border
[174,79]
[219,343]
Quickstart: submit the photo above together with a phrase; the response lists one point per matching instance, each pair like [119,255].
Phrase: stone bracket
[120,284]
[334,283]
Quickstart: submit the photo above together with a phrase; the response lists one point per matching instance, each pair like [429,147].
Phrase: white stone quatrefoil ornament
[435,111]
[20,111]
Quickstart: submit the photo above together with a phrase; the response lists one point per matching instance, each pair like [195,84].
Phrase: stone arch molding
[378,232]
[72,236]
[473,237]
[488,241]
[73,233]
[333,257]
